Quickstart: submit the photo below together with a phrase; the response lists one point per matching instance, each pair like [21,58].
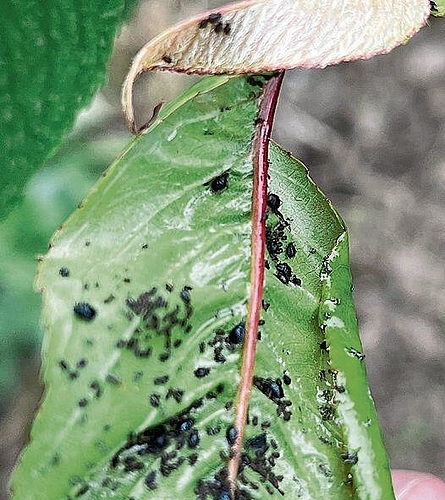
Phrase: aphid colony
[216,23]
[277,245]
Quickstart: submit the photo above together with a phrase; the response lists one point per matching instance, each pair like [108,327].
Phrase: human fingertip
[410,485]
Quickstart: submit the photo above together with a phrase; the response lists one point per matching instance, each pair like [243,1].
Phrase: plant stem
[259,207]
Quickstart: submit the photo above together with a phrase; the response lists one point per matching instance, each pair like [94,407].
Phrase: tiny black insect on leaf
[218,183]
[201,372]
[273,201]
[231,435]
[236,335]
[84,311]
[64,272]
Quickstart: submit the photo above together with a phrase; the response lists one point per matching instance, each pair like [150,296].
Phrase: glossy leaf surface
[146,291]
[52,60]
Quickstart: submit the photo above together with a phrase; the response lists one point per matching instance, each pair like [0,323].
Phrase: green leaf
[145,294]
[52,60]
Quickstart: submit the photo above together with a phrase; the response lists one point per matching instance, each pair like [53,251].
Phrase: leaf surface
[146,289]
[258,36]
[52,60]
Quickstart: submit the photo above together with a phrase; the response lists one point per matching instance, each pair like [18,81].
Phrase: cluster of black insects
[217,24]
[277,245]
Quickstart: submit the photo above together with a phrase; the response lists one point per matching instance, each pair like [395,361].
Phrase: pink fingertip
[410,485]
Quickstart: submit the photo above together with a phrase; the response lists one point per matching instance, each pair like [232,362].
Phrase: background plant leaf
[438,9]
[258,36]
[140,381]
[52,60]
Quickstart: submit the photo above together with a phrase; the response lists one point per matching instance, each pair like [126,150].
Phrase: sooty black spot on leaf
[84,311]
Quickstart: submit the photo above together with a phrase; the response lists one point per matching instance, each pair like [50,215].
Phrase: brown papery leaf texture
[260,36]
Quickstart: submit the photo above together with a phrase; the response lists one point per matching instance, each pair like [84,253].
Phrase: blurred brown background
[373,136]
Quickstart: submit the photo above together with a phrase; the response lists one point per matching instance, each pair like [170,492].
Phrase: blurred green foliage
[53,59]
[50,196]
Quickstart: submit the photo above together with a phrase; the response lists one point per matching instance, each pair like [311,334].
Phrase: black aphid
[185,294]
[193,439]
[169,287]
[218,28]
[258,442]
[433,7]
[167,59]
[291,251]
[324,345]
[132,464]
[112,379]
[150,480]
[186,425]
[218,183]
[350,458]
[269,387]
[286,379]
[201,372]
[296,280]
[63,364]
[213,431]
[231,435]
[82,490]
[84,311]
[265,305]
[161,380]
[109,299]
[95,386]
[227,29]
[284,272]
[273,201]
[176,394]
[357,354]
[236,335]
[64,272]
[193,458]
[214,17]
[82,363]
[155,400]
[83,402]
